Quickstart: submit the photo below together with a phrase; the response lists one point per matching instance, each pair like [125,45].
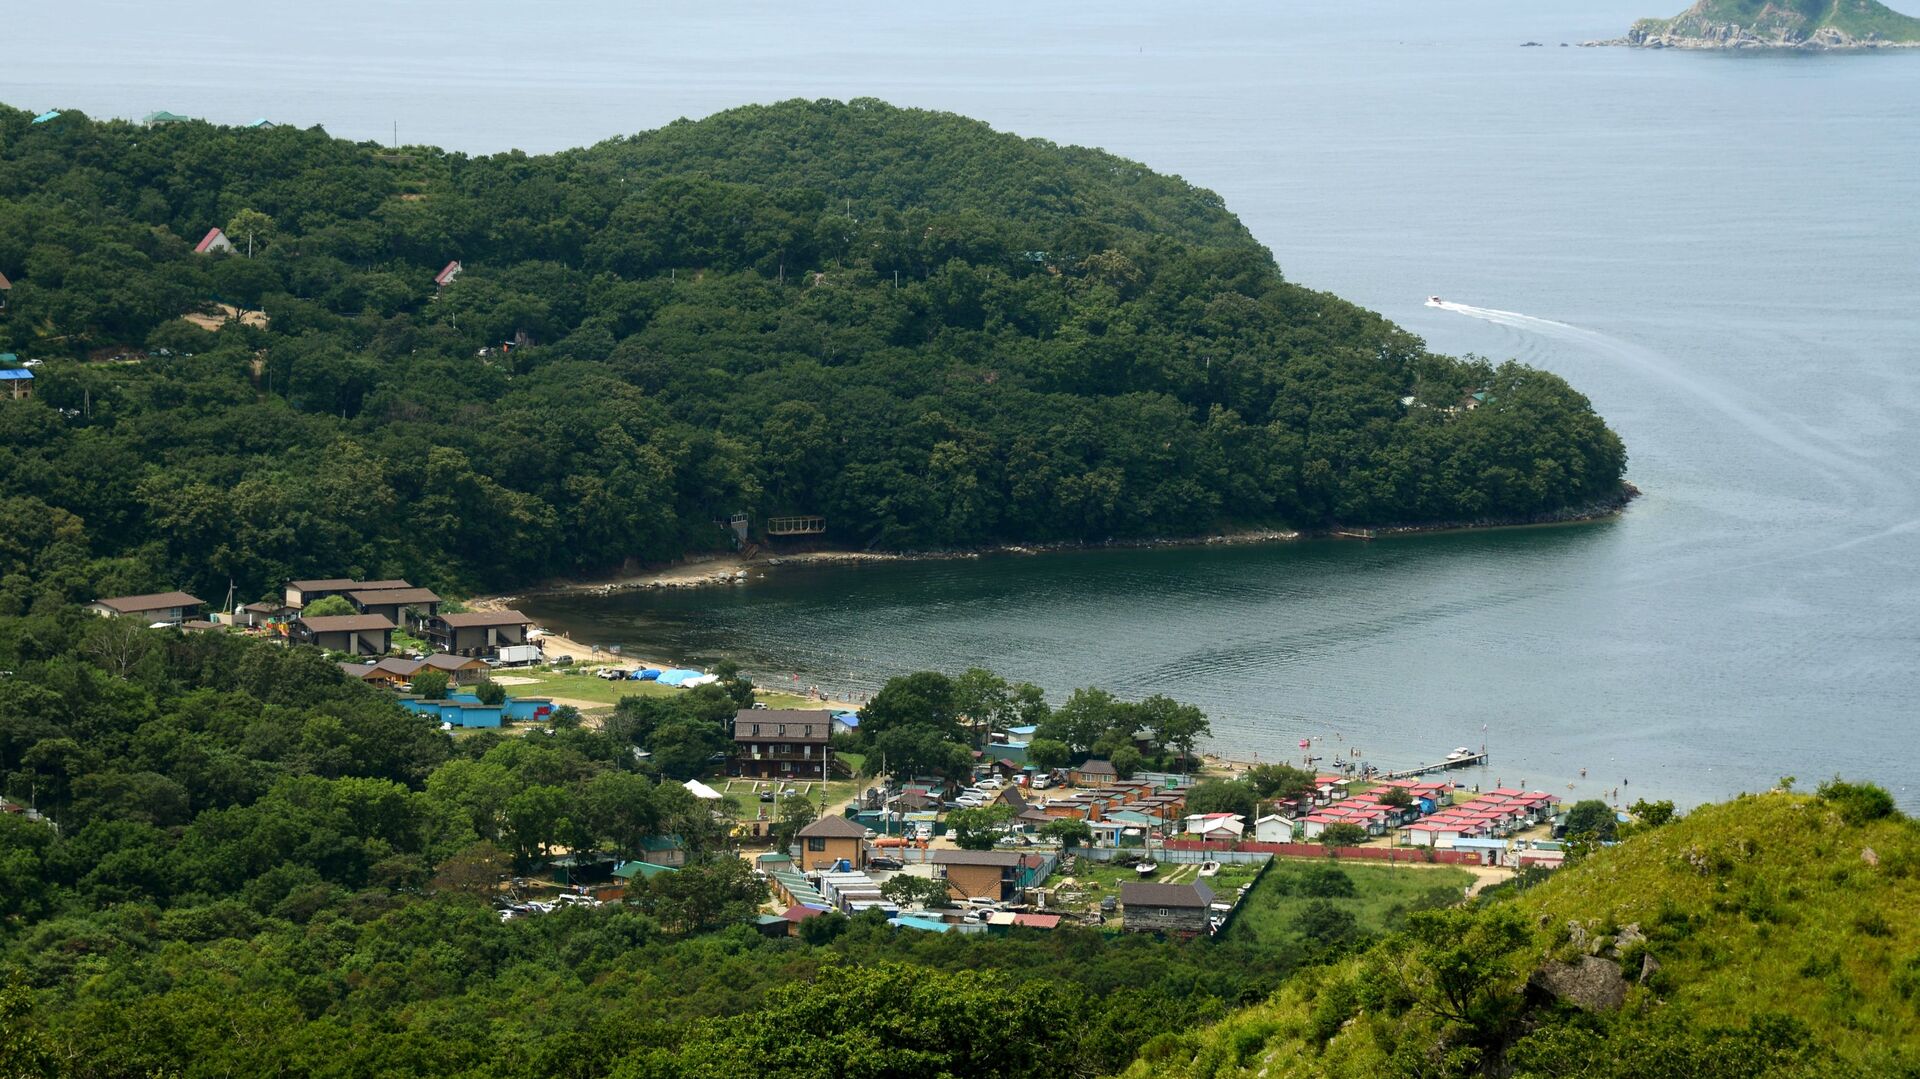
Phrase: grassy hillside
[1787,20]
[1770,936]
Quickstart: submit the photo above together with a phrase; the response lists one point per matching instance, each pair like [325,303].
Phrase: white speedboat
[1435,301]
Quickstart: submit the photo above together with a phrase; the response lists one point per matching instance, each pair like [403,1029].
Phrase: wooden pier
[1472,760]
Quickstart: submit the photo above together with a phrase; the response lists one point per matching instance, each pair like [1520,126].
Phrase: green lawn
[580,686]
[1383,895]
[1098,880]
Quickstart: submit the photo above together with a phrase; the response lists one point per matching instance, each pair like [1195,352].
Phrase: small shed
[447,273]
[17,383]
[1273,828]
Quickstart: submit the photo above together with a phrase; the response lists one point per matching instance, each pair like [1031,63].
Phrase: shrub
[1857,803]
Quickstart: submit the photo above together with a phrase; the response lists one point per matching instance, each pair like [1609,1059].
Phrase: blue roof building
[16,384]
[49,115]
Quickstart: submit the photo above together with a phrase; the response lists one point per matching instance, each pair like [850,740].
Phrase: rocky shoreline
[1733,36]
[708,571]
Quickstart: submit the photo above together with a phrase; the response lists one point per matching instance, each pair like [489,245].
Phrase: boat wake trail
[1770,428]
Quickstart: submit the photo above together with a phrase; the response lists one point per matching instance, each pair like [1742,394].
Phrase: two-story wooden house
[780,743]
[476,633]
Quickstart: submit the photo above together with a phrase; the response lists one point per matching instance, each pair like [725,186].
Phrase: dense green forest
[933,334]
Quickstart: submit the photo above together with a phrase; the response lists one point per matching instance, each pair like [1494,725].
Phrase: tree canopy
[931,333]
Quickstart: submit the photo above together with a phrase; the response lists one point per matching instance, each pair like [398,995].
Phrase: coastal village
[1083,844]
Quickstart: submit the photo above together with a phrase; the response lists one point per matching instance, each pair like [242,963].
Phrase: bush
[1592,818]
[1325,882]
[431,684]
[1857,803]
[490,692]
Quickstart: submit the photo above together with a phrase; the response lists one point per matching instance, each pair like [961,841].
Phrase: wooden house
[1092,774]
[830,840]
[402,606]
[476,633]
[354,634]
[979,874]
[1176,910]
[780,743]
[172,608]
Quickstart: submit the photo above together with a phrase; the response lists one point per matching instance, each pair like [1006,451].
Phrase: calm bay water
[1719,250]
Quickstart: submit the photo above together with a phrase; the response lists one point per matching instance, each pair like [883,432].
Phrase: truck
[518,655]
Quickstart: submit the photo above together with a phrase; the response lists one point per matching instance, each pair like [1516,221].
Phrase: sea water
[1718,249]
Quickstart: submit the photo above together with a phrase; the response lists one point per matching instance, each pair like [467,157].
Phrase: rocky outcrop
[1693,34]
[1589,983]
[1764,24]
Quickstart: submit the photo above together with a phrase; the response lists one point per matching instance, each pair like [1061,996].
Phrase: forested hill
[933,334]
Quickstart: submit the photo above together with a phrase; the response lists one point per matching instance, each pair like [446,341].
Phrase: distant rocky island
[1819,25]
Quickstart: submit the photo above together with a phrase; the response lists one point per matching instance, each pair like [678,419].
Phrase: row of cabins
[1131,803]
[1493,815]
[1369,812]
[381,607]
[467,710]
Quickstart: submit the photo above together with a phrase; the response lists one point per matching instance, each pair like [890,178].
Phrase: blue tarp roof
[927,924]
[16,374]
[53,114]
[676,676]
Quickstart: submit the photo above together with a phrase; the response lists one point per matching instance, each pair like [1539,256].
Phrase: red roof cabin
[447,274]
[214,240]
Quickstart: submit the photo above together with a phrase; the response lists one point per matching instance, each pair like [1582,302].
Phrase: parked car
[884,862]
[1040,782]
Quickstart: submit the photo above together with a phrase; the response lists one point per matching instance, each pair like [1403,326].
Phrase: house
[395,670]
[831,840]
[255,615]
[846,723]
[355,634]
[214,240]
[979,874]
[1179,910]
[155,119]
[667,850]
[1273,828]
[1222,827]
[447,274]
[171,608]
[46,117]
[401,606]
[263,124]
[17,383]
[300,593]
[1092,774]
[6,286]
[476,633]
[780,743]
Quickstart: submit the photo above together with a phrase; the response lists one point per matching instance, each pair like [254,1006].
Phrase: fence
[1178,855]
[1398,855]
